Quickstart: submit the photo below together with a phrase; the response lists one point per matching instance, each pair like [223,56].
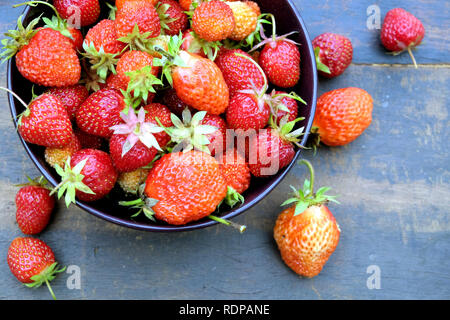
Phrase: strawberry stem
[35,3]
[226,222]
[311,173]
[412,57]
[15,95]
[50,289]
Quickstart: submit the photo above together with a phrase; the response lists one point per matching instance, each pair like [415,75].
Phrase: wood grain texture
[392,182]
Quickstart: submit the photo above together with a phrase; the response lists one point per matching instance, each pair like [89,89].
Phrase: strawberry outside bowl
[288,19]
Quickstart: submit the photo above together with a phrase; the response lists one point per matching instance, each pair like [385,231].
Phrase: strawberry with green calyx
[59,24]
[133,144]
[307,232]
[43,56]
[142,83]
[280,58]
[100,61]
[141,14]
[194,44]
[189,133]
[283,104]
[197,80]
[90,79]
[172,17]
[44,122]
[32,262]
[88,175]
[34,206]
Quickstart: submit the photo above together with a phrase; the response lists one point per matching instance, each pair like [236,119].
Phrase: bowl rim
[200,224]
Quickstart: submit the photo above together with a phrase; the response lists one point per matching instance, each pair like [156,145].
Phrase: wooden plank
[393,184]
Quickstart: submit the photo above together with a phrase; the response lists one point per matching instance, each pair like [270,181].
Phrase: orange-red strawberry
[104,35]
[58,156]
[71,97]
[84,12]
[307,232]
[137,72]
[401,31]
[246,19]
[138,13]
[197,80]
[120,3]
[100,111]
[342,115]
[172,17]
[34,206]
[185,187]
[334,53]
[237,175]
[45,122]
[88,176]
[213,21]
[32,262]
[43,56]
[217,139]
[239,73]
[185,4]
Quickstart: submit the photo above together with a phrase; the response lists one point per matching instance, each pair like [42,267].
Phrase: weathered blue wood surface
[393,184]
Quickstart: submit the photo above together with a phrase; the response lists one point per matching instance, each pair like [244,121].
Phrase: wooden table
[393,185]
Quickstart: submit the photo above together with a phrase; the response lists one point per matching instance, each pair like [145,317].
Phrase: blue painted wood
[392,182]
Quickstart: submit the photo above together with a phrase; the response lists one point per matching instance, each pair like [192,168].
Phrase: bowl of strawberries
[162,115]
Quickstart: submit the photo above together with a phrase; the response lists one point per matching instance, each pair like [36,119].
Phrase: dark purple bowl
[288,19]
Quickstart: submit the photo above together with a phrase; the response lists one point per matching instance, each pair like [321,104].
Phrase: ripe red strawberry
[199,185]
[174,103]
[89,176]
[217,139]
[213,21]
[285,105]
[342,115]
[401,31]
[185,4]
[43,56]
[141,14]
[237,175]
[115,82]
[84,12]
[197,80]
[58,156]
[334,53]
[162,112]
[247,111]
[88,141]
[100,111]
[268,152]
[32,262]
[280,60]
[71,97]
[133,144]
[104,35]
[172,17]
[45,122]
[239,73]
[307,233]
[34,206]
